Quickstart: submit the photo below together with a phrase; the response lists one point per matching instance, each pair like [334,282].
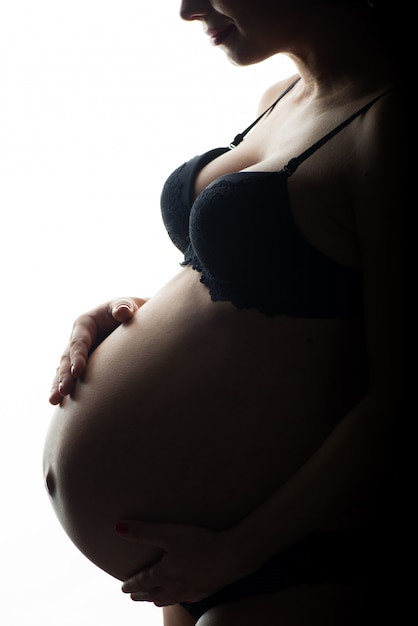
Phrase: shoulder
[384,125]
[274,91]
[381,147]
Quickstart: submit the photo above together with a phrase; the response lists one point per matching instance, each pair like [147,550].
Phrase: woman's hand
[88,331]
[196,562]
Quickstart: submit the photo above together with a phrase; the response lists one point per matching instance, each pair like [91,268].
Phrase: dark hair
[394,22]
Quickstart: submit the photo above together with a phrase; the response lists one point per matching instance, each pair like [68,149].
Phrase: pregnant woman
[224,447]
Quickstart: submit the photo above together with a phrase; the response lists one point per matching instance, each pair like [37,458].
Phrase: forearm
[328,491]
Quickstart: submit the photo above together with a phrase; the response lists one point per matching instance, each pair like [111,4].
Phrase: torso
[188,403]
[196,411]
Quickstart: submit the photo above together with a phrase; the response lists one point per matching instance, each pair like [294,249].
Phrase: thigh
[316,605]
[175,615]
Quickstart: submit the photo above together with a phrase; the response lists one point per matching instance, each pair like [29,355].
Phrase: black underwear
[344,556]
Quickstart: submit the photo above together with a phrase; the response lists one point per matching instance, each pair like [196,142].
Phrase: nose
[194,9]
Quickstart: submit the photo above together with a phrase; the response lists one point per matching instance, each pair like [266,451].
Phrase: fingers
[63,381]
[156,596]
[143,587]
[55,396]
[88,331]
[141,584]
[153,597]
[124,308]
[74,358]
[151,585]
[83,336]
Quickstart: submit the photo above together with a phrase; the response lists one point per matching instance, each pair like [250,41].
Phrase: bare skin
[195,412]
[326,605]
[190,405]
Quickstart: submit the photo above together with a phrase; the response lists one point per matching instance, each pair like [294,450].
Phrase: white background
[99,101]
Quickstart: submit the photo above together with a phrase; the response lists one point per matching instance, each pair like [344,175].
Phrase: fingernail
[122,528]
[60,386]
[72,370]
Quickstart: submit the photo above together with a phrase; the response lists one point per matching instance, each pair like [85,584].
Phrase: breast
[188,415]
[250,251]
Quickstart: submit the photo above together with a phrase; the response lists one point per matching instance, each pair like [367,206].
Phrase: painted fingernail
[122,528]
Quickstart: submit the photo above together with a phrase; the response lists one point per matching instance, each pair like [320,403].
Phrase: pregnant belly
[184,415]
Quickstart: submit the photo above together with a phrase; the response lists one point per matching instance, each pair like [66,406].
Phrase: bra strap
[237,140]
[294,163]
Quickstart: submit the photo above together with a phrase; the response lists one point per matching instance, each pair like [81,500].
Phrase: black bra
[239,233]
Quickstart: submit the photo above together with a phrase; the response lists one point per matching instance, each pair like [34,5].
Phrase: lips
[218,35]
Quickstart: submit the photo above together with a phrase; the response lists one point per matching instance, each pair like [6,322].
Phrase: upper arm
[380,212]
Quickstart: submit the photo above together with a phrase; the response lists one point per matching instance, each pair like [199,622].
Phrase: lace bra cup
[239,233]
[177,197]
[253,254]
